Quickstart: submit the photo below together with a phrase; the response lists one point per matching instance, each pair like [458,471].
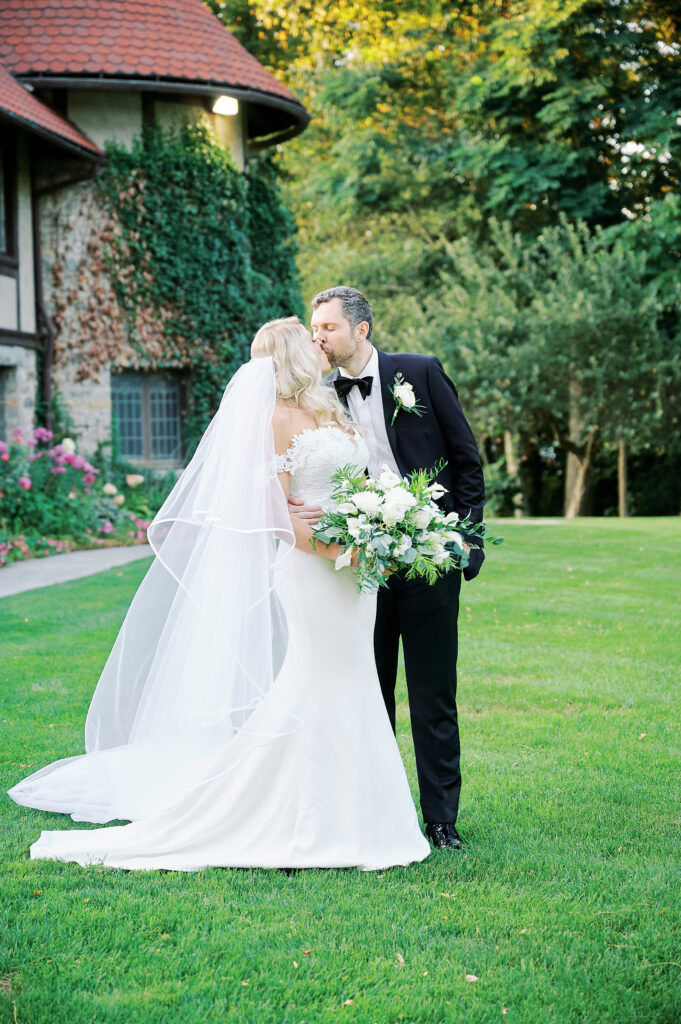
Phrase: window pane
[164,410]
[126,398]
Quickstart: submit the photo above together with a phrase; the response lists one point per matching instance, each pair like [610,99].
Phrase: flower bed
[53,499]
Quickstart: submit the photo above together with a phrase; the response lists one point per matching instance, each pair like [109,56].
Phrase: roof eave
[295,110]
[74,148]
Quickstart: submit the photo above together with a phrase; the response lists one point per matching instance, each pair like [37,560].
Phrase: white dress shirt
[368,414]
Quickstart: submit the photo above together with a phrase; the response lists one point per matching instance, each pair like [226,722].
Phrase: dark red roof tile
[111,37]
[18,104]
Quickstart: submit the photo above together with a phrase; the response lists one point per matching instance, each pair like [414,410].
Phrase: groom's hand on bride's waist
[309,514]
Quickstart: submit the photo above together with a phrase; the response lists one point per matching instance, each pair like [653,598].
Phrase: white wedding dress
[314,781]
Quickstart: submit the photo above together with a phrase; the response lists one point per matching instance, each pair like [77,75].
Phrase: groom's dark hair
[356,307]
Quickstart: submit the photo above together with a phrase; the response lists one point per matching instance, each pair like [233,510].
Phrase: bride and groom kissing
[224,728]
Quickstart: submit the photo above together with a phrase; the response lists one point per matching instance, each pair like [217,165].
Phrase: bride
[239,720]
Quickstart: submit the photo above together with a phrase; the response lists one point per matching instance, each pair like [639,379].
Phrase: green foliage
[522,323]
[570,108]
[52,499]
[144,489]
[46,489]
[432,122]
[202,257]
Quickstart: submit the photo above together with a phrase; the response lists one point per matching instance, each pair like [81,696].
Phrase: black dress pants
[426,619]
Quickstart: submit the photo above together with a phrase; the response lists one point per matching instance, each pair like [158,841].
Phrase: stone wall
[18,368]
[82,307]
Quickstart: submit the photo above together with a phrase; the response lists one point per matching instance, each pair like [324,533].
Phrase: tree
[433,120]
[563,340]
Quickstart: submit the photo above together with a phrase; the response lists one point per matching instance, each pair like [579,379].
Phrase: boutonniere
[403,393]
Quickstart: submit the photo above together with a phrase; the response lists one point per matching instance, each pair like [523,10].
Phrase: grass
[565,905]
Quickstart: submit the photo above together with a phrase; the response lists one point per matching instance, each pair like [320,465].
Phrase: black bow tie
[344,386]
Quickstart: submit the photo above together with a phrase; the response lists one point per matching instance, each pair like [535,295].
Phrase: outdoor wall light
[226,105]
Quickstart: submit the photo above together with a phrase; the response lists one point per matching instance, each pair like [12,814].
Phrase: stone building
[73,76]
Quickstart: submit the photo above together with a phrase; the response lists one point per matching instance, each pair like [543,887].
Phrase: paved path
[43,572]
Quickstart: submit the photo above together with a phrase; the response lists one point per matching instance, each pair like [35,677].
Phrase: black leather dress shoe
[444,835]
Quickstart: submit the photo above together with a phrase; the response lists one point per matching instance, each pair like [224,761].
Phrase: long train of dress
[332,793]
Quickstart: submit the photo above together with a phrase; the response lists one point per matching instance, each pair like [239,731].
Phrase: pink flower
[31,458]
[25,482]
[4,457]
[88,478]
[78,462]
[17,432]
[43,434]
[3,446]
[58,469]
[106,527]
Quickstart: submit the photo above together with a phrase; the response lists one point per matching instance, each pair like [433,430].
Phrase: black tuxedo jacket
[441,432]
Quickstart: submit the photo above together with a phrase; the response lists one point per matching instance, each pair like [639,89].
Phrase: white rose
[354,527]
[119,499]
[453,537]
[134,479]
[388,479]
[346,507]
[344,559]
[452,517]
[404,394]
[69,445]
[421,518]
[440,556]
[367,501]
[110,489]
[436,491]
[397,502]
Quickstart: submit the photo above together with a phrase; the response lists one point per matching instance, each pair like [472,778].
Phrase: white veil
[204,638]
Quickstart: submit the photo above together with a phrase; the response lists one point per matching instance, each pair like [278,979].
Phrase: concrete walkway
[43,572]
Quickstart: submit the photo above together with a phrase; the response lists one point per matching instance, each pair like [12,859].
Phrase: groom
[424,616]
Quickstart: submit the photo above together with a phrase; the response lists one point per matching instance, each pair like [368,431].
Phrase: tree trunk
[572,461]
[512,469]
[622,479]
[578,499]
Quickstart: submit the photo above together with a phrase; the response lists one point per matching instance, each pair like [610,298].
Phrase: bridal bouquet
[392,524]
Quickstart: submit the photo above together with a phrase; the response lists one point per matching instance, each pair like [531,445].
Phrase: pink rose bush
[50,491]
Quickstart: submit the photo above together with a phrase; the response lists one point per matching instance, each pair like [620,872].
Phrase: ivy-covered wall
[198,255]
[170,258]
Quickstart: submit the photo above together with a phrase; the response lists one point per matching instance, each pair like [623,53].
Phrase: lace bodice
[313,458]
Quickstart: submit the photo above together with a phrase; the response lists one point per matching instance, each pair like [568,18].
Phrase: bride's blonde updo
[297,371]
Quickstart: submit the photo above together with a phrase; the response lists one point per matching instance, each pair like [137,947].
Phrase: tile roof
[17,104]
[176,40]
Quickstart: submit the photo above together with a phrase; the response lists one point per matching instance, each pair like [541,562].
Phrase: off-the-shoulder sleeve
[294,456]
[286,462]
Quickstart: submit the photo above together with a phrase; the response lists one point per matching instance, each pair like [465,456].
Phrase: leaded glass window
[147,416]
[164,414]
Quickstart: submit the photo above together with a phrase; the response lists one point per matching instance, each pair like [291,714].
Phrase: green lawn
[565,905]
